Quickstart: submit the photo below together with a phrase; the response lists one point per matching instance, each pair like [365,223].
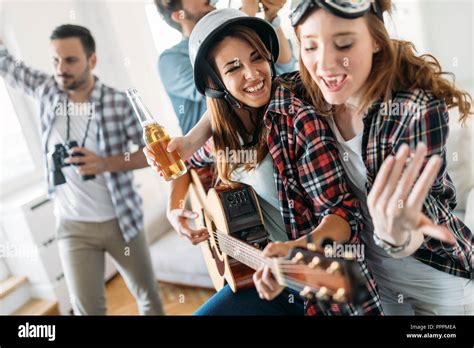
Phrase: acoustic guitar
[237,236]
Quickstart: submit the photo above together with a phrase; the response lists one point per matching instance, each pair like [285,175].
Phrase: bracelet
[390,248]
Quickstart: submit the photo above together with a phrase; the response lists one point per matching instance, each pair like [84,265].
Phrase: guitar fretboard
[241,251]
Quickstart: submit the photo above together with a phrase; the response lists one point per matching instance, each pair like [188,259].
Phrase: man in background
[95,204]
[175,67]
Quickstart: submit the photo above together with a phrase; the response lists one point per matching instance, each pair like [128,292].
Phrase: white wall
[443,28]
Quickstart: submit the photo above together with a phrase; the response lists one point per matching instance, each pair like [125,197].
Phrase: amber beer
[157,139]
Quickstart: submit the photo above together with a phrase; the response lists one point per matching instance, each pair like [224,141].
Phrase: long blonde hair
[397,67]
[226,127]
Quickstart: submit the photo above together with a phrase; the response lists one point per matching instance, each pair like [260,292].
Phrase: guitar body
[235,212]
[237,236]
[198,196]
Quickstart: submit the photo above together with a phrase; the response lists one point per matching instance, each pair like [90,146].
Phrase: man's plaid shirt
[310,179]
[117,126]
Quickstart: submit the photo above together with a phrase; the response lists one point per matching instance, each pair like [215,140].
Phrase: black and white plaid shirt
[117,126]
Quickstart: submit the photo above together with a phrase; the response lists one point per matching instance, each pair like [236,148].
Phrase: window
[17,164]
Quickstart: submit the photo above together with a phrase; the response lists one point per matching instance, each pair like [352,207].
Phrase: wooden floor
[177,300]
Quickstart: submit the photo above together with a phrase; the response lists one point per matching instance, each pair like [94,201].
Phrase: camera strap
[68,117]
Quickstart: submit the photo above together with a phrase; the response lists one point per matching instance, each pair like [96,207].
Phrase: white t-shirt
[79,200]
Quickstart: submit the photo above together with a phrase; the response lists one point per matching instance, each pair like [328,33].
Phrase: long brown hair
[396,66]
[226,127]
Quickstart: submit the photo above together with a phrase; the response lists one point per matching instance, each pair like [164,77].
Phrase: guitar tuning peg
[340,295]
[314,262]
[333,267]
[307,293]
[298,257]
[323,294]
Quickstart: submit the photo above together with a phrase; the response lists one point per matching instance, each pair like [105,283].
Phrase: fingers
[83,150]
[150,158]
[148,154]
[183,145]
[394,176]
[188,214]
[75,160]
[173,145]
[256,280]
[268,279]
[276,249]
[266,286]
[411,173]
[79,159]
[428,228]
[264,283]
[424,183]
[194,236]
[87,170]
[380,182]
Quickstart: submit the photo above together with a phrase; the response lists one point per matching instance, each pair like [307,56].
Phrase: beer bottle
[156,139]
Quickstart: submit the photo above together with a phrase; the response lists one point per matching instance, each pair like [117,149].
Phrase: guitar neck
[241,251]
[249,256]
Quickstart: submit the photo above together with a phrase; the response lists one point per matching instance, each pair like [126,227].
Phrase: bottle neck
[143,114]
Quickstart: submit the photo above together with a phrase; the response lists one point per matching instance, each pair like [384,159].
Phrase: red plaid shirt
[310,179]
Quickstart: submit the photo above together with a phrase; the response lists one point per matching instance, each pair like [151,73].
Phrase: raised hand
[397,196]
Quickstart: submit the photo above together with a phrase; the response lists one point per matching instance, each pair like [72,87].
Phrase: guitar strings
[290,282]
[254,255]
[257,259]
[248,250]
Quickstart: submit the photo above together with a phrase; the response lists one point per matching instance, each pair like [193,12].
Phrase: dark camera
[61,152]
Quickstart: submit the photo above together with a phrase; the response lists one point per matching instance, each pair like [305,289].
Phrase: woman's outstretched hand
[397,196]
